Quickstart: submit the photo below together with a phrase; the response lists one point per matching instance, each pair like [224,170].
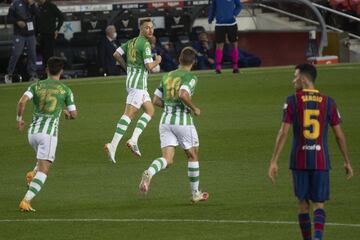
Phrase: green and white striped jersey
[49,97]
[175,111]
[138,53]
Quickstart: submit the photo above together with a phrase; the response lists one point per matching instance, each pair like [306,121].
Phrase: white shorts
[137,97]
[44,145]
[174,135]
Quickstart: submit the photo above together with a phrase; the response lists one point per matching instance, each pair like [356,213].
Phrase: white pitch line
[147,220]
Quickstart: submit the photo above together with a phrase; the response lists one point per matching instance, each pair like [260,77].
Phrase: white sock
[140,126]
[157,165]
[121,128]
[35,185]
[193,174]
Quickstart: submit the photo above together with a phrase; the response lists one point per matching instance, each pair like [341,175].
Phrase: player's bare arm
[185,97]
[120,60]
[280,141]
[341,141]
[157,101]
[151,65]
[20,111]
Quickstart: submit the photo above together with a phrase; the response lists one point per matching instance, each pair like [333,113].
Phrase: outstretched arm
[341,141]
[280,141]
[20,111]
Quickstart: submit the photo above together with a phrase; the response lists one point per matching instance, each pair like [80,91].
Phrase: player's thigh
[167,137]
[148,107]
[187,136]
[232,33]
[220,34]
[45,146]
[137,97]
[320,186]
[301,184]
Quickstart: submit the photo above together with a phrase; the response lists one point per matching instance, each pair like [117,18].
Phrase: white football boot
[145,182]
[110,152]
[199,196]
[133,147]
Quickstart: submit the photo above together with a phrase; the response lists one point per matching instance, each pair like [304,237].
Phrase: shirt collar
[311,90]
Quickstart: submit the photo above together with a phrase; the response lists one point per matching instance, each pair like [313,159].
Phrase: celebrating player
[176,124]
[49,97]
[138,64]
[310,112]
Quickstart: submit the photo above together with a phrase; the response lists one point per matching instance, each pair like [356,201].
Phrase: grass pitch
[87,197]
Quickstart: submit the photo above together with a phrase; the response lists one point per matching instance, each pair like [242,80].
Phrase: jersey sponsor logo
[316,147]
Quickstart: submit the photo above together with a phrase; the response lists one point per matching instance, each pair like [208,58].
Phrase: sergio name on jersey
[175,111]
[49,97]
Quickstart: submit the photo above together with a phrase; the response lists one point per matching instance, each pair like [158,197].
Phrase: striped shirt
[175,111]
[138,53]
[49,97]
[311,113]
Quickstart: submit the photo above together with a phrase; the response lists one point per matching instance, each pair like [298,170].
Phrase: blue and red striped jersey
[310,113]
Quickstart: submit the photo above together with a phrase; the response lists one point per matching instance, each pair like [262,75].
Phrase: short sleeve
[123,48]
[147,56]
[288,110]
[69,100]
[30,92]
[189,84]
[333,113]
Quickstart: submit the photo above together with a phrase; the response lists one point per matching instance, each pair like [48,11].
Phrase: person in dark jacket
[107,47]
[49,21]
[226,26]
[22,14]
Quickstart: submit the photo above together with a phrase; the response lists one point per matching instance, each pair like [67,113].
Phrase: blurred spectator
[49,21]
[22,14]
[205,56]
[107,48]
[245,59]
[155,50]
[226,26]
[168,62]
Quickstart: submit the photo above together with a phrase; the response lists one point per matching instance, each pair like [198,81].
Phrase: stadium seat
[341,5]
[355,6]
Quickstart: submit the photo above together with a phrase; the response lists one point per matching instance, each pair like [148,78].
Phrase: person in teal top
[49,98]
[138,63]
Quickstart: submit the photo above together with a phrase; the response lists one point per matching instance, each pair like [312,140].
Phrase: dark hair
[309,70]
[142,21]
[187,56]
[55,65]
